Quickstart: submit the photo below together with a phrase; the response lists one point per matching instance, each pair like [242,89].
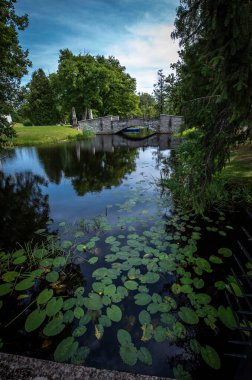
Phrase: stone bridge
[109,125]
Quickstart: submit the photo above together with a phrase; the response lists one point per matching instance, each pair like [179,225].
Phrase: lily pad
[54,327]
[144,356]
[52,276]
[93,302]
[5,289]
[114,313]
[188,315]
[10,276]
[142,299]
[34,320]
[44,296]
[65,350]
[226,252]
[25,284]
[99,331]
[211,357]
[144,317]
[227,317]
[123,337]
[54,306]
[128,353]
[79,331]
[160,334]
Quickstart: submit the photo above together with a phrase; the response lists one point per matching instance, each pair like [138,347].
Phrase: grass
[239,168]
[46,134]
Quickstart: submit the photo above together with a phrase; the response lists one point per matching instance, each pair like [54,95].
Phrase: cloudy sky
[137,32]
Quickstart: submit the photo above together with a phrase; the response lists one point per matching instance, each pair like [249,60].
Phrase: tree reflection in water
[24,208]
[89,169]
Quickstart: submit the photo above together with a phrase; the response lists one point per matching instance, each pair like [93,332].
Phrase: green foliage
[14,63]
[40,100]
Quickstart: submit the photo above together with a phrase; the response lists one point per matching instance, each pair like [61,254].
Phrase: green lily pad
[198,283]
[114,313]
[128,353]
[131,285]
[25,284]
[59,262]
[44,296]
[69,303]
[78,312]
[79,331]
[65,350]
[226,252]
[142,299]
[52,276]
[211,357]
[195,346]
[20,260]
[34,320]
[181,374]
[10,276]
[105,321]
[160,334]
[220,285]
[144,356]
[5,289]
[227,317]
[54,327]
[80,355]
[144,317]
[54,306]
[93,260]
[123,337]
[93,302]
[68,316]
[188,315]
[215,259]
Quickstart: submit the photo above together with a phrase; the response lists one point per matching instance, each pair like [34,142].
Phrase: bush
[27,123]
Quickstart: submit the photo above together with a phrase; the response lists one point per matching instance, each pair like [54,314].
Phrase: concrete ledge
[14,367]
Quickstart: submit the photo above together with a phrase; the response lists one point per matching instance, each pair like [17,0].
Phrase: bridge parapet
[108,125]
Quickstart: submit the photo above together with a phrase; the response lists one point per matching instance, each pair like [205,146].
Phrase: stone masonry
[109,125]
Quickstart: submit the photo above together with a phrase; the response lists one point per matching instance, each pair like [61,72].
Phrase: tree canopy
[14,61]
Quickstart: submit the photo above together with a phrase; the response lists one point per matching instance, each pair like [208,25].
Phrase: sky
[137,32]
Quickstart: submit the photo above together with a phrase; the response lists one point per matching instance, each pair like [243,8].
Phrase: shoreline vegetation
[34,135]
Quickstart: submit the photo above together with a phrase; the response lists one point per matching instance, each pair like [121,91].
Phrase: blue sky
[137,32]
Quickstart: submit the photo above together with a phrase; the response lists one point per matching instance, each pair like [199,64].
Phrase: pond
[113,275]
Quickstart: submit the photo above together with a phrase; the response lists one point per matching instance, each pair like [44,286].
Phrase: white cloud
[147,49]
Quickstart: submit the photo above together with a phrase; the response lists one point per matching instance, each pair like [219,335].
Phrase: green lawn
[45,134]
[239,169]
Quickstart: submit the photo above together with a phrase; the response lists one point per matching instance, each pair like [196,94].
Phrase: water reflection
[89,169]
[24,207]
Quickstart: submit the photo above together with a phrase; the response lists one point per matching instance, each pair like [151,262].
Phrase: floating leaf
[128,353]
[104,321]
[198,283]
[25,284]
[65,350]
[44,296]
[59,261]
[181,374]
[78,312]
[52,276]
[93,302]
[175,288]
[144,356]
[39,253]
[84,320]
[186,289]
[195,346]
[5,289]
[203,264]
[99,331]
[220,285]
[79,331]
[202,298]
[227,317]
[147,332]
[68,304]
[188,315]
[80,355]
[226,252]
[34,320]
[10,276]
[93,260]
[114,313]
[131,285]
[54,327]
[142,299]
[211,357]
[123,337]
[20,260]
[150,278]
[215,259]
[68,316]
[54,306]
[79,291]
[160,334]
[144,317]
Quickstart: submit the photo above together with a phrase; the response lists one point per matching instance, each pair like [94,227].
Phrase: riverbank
[29,136]
[239,169]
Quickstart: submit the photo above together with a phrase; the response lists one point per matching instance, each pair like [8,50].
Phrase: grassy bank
[46,134]
[239,169]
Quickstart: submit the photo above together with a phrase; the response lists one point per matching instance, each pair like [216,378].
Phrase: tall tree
[14,61]
[147,105]
[41,103]
[160,91]
[214,80]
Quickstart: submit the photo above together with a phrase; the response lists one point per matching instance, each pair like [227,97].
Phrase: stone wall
[112,124]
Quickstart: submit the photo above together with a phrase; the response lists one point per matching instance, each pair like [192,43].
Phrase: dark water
[114,179]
